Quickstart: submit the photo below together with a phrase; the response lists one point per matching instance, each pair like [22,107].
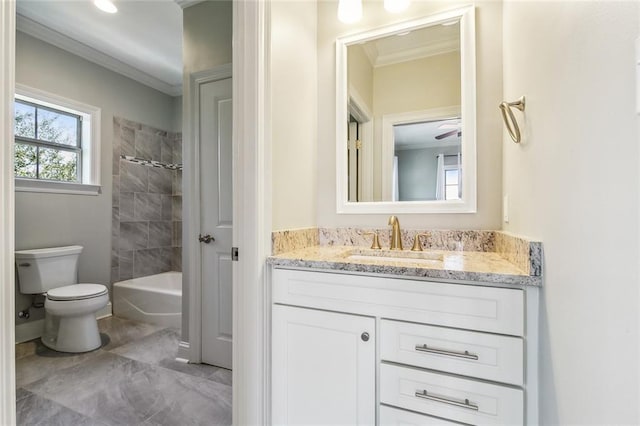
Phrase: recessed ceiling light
[105,6]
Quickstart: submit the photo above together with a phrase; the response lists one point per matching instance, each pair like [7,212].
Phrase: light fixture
[105,6]
[396,6]
[349,11]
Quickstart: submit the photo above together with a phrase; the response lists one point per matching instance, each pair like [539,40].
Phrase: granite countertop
[470,266]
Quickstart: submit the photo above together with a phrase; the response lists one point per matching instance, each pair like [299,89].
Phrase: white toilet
[70,308]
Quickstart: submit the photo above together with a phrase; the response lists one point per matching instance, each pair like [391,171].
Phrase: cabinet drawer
[390,416]
[471,307]
[450,397]
[488,356]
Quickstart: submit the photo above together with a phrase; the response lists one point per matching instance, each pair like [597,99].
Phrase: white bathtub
[155,299]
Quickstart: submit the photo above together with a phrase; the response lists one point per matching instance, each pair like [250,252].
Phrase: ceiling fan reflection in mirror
[427,134]
[454,125]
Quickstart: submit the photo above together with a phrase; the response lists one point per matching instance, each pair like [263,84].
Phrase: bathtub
[155,299]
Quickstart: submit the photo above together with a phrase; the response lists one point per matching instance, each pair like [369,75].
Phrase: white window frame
[444,178]
[90,179]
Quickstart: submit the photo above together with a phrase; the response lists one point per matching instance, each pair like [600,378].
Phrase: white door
[355,163]
[216,220]
[323,368]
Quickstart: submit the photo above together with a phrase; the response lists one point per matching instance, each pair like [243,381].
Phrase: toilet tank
[41,270]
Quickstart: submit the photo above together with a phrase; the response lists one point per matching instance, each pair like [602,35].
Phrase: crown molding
[187,3]
[433,49]
[64,42]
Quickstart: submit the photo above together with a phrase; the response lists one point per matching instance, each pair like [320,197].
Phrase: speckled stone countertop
[469,266]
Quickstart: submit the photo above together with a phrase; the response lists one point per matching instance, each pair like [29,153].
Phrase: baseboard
[33,329]
[105,312]
[183,352]
[29,330]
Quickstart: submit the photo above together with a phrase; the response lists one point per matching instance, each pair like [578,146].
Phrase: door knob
[365,336]
[205,238]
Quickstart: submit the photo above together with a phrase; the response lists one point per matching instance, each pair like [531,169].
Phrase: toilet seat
[77,292]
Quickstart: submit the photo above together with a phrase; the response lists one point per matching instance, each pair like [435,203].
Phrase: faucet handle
[416,242]
[376,242]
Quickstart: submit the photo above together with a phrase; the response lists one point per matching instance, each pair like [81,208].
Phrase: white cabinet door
[323,368]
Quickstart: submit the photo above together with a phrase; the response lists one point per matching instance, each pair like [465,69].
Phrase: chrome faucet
[396,237]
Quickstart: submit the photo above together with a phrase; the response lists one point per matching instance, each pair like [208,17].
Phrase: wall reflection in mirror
[405,121]
[427,161]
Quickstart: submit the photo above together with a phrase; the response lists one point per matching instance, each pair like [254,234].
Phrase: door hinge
[234,254]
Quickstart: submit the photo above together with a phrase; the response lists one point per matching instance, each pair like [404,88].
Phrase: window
[48,143]
[56,144]
[451,183]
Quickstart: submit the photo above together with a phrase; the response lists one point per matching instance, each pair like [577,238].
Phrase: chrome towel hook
[510,119]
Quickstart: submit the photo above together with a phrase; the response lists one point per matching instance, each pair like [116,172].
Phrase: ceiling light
[349,11]
[105,6]
[396,6]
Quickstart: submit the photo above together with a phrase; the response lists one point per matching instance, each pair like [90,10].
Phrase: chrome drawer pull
[465,354]
[463,404]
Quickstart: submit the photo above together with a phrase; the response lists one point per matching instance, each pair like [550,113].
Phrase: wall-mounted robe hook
[510,119]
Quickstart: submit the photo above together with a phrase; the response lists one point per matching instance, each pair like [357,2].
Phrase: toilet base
[71,325]
[72,334]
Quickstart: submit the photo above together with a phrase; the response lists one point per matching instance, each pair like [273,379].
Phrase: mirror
[406,107]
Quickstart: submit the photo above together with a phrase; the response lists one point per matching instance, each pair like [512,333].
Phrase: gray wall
[176,125]
[44,220]
[207,30]
[206,43]
[417,170]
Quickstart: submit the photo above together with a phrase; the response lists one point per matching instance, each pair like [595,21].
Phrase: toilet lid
[77,292]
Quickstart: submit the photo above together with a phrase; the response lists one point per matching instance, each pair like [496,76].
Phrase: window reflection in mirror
[406,80]
[427,162]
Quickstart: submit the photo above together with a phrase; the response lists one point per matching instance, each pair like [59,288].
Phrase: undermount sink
[395,255]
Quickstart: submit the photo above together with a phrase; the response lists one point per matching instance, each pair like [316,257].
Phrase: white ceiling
[143,40]
[423,135]
[420,43]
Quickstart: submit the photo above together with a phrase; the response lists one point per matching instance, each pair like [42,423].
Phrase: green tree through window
[47,143]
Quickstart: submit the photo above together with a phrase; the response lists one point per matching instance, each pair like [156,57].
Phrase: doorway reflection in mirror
[427,161]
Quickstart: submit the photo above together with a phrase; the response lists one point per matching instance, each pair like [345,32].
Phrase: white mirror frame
[468,203]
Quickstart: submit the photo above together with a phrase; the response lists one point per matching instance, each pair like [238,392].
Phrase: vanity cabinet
[324,367]
[371,349]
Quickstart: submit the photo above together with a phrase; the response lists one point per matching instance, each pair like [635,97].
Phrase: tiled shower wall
[146,236]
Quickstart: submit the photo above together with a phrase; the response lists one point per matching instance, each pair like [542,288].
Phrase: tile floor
[132,380]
